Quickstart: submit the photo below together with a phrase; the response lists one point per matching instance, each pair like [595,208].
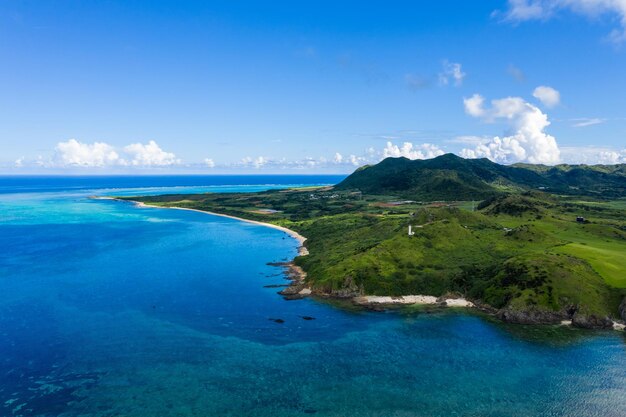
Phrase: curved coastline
[298,288]
[302,250]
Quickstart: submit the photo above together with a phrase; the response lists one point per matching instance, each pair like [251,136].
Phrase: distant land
[530,244]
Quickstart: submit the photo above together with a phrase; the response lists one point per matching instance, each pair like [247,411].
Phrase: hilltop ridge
[450,177]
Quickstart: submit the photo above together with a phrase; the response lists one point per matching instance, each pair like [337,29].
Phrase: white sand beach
[412,299]
[302,251]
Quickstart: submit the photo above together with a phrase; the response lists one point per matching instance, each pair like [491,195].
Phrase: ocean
[109,309]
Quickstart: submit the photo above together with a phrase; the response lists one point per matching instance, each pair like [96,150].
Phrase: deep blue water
[107,309]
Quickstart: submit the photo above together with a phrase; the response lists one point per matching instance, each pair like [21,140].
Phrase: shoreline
[298,289]
[302,250]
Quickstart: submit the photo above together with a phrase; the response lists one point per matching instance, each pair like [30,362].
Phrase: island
[530,244]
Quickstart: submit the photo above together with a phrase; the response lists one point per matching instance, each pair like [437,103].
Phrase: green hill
[532,256]
[450,177]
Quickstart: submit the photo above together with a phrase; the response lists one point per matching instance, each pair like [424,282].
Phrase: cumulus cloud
[452,71]
[209,163]
[547,95]
[75,153]
[100,154]
[348,162]
[593,155]
[149,154]
[526,141]
[523,10]
[257,162]
[474,105]
[411,151]
[357,160]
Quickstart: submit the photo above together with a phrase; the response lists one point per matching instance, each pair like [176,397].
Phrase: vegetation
[520,250]
[450,177]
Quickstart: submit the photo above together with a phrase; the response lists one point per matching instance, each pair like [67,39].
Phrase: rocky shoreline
[298,289]
[571,316]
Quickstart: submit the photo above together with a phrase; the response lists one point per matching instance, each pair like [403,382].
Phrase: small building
[580,219]
[411,232]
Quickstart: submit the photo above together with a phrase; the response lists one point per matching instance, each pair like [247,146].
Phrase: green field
[518,251]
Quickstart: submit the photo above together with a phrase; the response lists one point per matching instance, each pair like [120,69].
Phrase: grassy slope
[547,260]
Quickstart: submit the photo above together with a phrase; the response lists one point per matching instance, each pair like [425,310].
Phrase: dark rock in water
[278,263]
[292,289]
[309,411]
[293,297]
[591,321]
[531,316]
[378,308]
[276,286]
[622,309]
[279,321]
[307,318]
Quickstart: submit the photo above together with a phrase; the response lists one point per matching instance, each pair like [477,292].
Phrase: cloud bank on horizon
[100,154]
[526,141]
[523,124]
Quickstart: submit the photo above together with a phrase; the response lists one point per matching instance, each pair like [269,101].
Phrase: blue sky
[218,87]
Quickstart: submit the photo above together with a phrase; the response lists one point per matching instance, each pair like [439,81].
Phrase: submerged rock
[279,321]
[531,316]
[591,321]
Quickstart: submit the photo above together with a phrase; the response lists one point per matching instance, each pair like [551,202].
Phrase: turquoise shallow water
[107,309]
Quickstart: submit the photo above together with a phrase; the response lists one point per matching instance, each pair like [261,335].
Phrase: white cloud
[338,158]
[523,10]
[100,154]
[474,105]
[527,140]
[149,154]
[520,10]
[586,121]
[411,151]
[593,155]
[257,162]
[451,71]
[357,160]
[209,163]
[470,140]
[19,162]
[75,153]
[547,95]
